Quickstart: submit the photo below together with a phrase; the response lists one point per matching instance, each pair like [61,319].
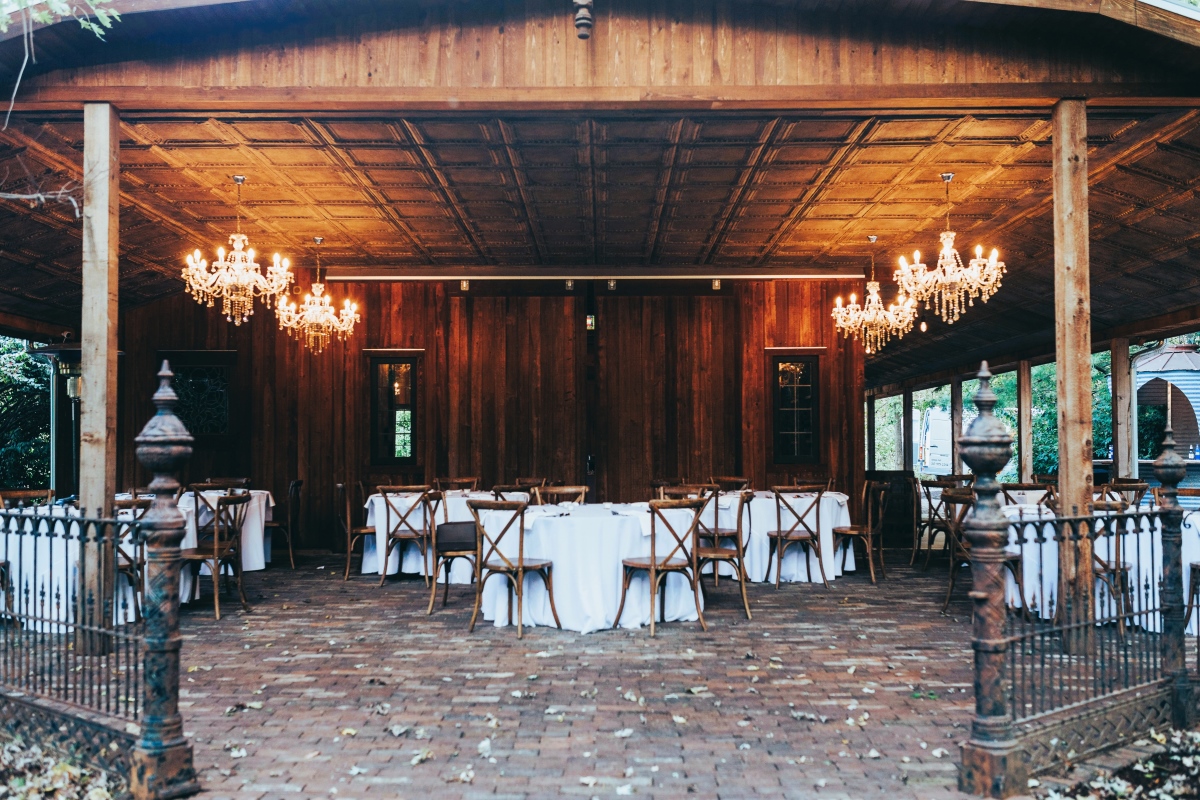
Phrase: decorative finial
[986,446]
[1169,468]
[164,444]
[583,18]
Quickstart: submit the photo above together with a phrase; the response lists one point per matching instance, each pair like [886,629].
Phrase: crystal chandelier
[871,322]
[315,319]
[950,287]
[235,279]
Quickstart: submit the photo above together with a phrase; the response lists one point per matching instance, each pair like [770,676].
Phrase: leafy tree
[24,417]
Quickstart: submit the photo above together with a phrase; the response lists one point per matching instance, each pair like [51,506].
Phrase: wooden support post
[956,411]
[1025,421]
[1124,412]
[906,429]
[870,432]
[98,338]
[98,332]
[1073,351]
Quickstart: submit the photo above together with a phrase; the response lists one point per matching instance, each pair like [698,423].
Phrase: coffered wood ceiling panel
[396,195]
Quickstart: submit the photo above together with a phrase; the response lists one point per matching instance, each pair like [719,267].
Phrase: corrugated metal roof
[1173,358]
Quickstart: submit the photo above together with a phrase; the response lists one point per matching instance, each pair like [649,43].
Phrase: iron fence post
[1170,469]
[162,759]
[992,763]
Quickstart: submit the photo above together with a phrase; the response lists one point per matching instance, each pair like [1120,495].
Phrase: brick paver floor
[348,690]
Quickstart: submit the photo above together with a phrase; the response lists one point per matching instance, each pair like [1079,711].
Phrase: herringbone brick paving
[858,691]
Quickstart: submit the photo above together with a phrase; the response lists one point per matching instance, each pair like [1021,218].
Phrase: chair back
[229,483]
[873,504]
[459,484]
[659,484]
[488,539]
[1046,479]
[501,489]
[962,478]
[202,502]
[730,483]
[436,499]
[1182,491]
[345,520]
[799,503]
[13,498]
[137,506]
[1047,490]
[1127,491]
[527,482]
[543,495]
[676,542]
[957,502]
[229,514]
[293,506]
[403,520]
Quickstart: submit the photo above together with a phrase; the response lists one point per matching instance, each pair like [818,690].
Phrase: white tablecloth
[587,544]
[760,517]
[258,513]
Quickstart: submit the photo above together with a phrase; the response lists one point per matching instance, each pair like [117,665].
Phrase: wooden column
[1025,421]
[1124,412]
[1072,306]
[956,411]
[1073,352]
[906,428]
[98,332]
[870,432]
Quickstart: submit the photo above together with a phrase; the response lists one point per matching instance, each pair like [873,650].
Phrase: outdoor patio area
[735,712]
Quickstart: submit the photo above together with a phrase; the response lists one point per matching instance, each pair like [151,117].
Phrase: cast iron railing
[71,627]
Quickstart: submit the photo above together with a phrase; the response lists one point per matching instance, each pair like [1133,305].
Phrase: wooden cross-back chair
[681,556]
[709,493]
[351,531]
[14,498]
[131,556]
[448,541]
[869,531]
[959,503]
[658,485]
[501,490]
[290,523]
[229,483]
[937,520]
[221,546]
[457,484]
[545,495]
[730,483]
[1128,492]
[1048,490]
[719,552]
[1114,571]
[527,482]
[793,527]
[491,560]
[405,524]
[203,505]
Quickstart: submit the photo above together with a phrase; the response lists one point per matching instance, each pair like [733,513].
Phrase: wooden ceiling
[704,192]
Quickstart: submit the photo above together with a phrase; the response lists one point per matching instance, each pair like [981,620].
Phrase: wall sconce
[612,285]
[716,284]
[590,322]
[73,372]
[464,286]
[570,285]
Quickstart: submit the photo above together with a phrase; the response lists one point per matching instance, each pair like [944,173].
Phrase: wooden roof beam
[1157,16]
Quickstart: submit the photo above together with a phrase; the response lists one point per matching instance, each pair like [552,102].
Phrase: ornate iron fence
[89,625]
[1078,622]
[71,627]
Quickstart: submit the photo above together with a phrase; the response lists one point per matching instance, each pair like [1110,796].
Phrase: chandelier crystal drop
[950,287]
[871,322]
[315,322]
[235,278]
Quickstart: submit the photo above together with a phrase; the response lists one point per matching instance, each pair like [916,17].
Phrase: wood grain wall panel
[680,386]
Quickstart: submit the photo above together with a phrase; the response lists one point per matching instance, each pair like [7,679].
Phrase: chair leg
[548,577]
[624,590]
[349,555]
[741,568]
[510,601]
[478,600]
[520,590]
[866,540]
[882,571]
[695,591]
[653,593]
[237,571]
[780,546]
[816,543]
[446,586]
[433,591]
[387,555]
[287,532]
[216,576]
[950,589]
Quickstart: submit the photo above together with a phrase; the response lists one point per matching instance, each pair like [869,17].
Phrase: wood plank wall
[679,388]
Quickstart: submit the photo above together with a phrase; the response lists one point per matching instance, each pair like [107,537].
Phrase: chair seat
[716,552]
[662,563]
[500,566]
[406,535]
[361,530]
[791,536]
[851,530]
[206,553]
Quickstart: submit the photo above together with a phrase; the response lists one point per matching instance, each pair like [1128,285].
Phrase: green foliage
[24,417]
[1152,426]
[90,14]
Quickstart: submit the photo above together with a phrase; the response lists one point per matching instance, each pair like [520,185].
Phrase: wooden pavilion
[588,250]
